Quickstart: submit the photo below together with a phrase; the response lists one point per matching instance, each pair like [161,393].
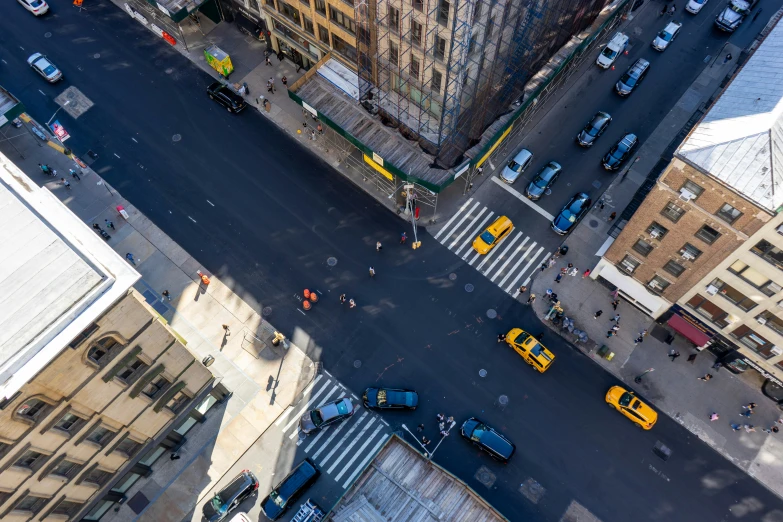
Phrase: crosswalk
[509,265]
[340,450]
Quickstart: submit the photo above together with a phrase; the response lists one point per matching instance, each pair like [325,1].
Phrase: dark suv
[594,129]
[390,398]
[226,97]
[230,497]
[280,498]
[487,439]
[632,77]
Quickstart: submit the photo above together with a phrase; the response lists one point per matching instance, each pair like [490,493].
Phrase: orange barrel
[306,304]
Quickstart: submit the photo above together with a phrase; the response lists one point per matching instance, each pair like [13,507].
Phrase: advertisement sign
[59,131]
[157,30]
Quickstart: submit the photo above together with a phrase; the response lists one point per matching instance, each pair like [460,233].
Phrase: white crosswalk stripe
[511,261]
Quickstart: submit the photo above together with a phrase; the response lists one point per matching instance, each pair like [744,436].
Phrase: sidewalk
[263,379]
[672,386]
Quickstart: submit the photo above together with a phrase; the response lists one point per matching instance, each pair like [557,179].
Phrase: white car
[37,7]
[613,49]
[694,6]
[667,35]
[45,68]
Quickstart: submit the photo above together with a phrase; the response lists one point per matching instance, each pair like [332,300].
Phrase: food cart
[219,60]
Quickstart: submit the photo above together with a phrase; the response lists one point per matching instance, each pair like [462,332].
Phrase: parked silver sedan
[43,66]
[517,166]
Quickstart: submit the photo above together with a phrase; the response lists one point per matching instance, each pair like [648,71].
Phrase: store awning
[687,329]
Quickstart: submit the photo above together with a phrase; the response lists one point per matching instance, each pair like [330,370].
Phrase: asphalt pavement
[261,211]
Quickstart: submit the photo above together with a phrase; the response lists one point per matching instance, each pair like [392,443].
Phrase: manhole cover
[662,450]
[482,372]
[491,313]
[302,436]
[96,55]
[357,363]
[485,476]
[453,276]
[597,184]
[593,223]
[468,287]
[176,137]
[169,70]
[532,490]
[332,261]
[266,311]
[47,35]
[503,400]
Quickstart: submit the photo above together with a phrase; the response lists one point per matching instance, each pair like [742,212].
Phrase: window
[69,423]
[131,371]
[414,67]
[320,6]
[323,35]
[416,30]
[771,321]
[100,436]
[689,252]
[99,353]
[754,341]
[769,253]
[730,293]
[440,47]
[476,12]
[657,231]
[308,26]
[629,264]
[270,3]
[658,284]
[437,78]
[394,53]
[177,402]
[254,4]
[466,77]
[674,268]
[67,508]
[155,386]
[31,504]
[290,12]
[693,188]
[708,234]
[32,409]
[97,476]
[728,213]
[30,459]
[755,278]
[343,47]
[342,20]
[705,308]
[490,28]
[394,19]
[443,12]
[472,44]
[643,247]
[87,332]
[418,5]
[673,212]
[128,446]
[66,469]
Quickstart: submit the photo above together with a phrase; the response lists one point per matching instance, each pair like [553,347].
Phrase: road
[265,215]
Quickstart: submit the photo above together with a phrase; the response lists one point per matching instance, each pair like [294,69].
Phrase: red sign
[59,131]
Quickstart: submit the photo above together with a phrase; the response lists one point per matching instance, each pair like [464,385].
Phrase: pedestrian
[553,298]
[615,303]
[501,338]
[674,354]
[378,246]
[727,58]
[227,329]
[272,84]
[420,428]
[44,168]
[96,226]
[717,366]
[612,216]
[544,266]
[747,413]
[638,340]
[442,426]
[425,440]
[522,289]
[268,61]
[601,204]
[351,303]
[109,224]
[531,299]
[444,433]
[450,421]
[714,416]
[610,333]
[750,428]
[174,456]
[672,9]
[644,333]
[750,406]
[558,278]
[615,327]
[573,272]
[564,270]
[692,357]
[586,273]
[312,135]
[706,377]
[598,314]
[75,175]
[320,129]
[284,81]
[342,298]
[166,294]
[129,257]
[552,261]
[65,182]
[403,237]
[440,417]
[735,427]
[616,318]
[663,10]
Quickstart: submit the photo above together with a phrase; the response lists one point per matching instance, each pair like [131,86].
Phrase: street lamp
[67,102]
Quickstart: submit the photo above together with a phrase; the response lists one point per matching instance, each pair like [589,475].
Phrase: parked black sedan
[487,439]
[223,94]
[594,129]
[543,181]
[230,497]
[390,399]
[620,152]
[572,212]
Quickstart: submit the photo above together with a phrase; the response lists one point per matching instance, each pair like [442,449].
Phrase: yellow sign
[386,174]
[495,146]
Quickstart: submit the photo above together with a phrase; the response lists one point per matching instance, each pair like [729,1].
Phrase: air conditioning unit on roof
[687,255]
[712,290]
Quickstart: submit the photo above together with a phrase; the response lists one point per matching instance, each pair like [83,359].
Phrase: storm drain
[662,450]
[576,512]
[532,490]
[485,476]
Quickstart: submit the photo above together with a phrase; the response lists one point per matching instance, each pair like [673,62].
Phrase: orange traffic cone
[313,297]
[306,293]
[306,304]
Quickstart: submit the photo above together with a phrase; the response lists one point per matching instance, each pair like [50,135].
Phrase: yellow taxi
[533,352]
[493,235]
[627,403]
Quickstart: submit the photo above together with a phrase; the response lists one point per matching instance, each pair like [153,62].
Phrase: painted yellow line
[56,146]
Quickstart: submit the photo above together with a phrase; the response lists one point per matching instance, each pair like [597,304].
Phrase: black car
[487,439]
[632,77]
[291,488]
[390,399]
[594,129]
[230,497]
[574,210]
[223,94]
[543,181]
[620,152]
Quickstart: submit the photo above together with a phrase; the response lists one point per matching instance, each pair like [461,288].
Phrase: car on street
[613,49]
[487,439]
[666,36]
[627,403]
[733,14]
[43,66]
[390,399]
[291,488]
[632,77]
[223,94]
[230,497]
[37,7]
[517,166]
[620,152]
[694,6]
[571,213]
[594,128]
[326,414]
[494,234]
[543,181]
[532,351]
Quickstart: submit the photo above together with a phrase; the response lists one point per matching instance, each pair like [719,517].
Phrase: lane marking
[347,435]
[39,90]
[547,256]
[363,463]
[500,256]
[473,234]
[351,445]
[329,440]
[523,199]
[299,413]
[326,399]
[193,220]
[513,268]
[520,248]
[453,218]
[134,139]
[208,201]
[524,270]
[358,452]
[118,157]
[472,219]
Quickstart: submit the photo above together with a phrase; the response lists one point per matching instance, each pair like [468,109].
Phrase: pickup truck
[733,14]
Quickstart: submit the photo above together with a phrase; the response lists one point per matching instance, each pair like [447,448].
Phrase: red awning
[687,329]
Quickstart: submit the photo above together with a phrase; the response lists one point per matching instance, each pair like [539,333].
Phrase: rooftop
[58,276]
[400,484]
[740,139]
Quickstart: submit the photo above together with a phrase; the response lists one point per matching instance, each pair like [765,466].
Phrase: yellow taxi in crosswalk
[533,352]
[627,403]
[493,235]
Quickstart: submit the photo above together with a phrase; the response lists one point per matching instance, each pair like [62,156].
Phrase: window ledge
[90,484]
[21,469]
[93,444]
[58,478]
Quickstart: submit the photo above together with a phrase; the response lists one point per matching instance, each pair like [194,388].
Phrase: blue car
[574,210]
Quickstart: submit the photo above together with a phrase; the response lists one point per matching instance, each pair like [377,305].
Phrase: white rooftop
[56,273]
[740,139]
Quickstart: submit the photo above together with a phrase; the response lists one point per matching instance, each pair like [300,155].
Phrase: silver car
[43,66]
[666,36]
[326,414]
[517,166]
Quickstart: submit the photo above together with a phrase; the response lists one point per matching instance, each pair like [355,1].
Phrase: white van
[240,517]
[616,45]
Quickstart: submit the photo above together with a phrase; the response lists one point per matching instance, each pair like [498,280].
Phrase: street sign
[59,131]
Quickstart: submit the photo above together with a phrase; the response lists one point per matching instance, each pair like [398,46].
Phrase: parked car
[733,14]
[532,351]
[291,488]
[627,403]
[594,128]
[493,235]
[666,36]
[694,6]
[43,66]
[517,166]
[543,181]
[632,77]
[620,152]
[327,414]
[616,45]
[223,94]
[390,399]
[230,497]
[487,439]
[572,212]
[37,7]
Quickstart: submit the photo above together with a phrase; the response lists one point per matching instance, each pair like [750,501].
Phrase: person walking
[44,168]
[109,224]
[378,246]
[268,61]
[750,428]
[351,303]
[573,272]
[673,355]
[611,217]
[692,357]
[610,333]
[639,340]
[75,175]
[615,327]
[420,428]
[558,278]
[226,329]
[727,58]
[586,273]
[773,429]
[372,272]
[598,314]
[616,318]
[320,129]
[440,417]
[522,289]
[552,261]
[96,226]
[747,413]
[166,294]
[65,182]
[706,377]
[425,441]
[735,427]
[673,9]
[129,257]
[501,338]
[284,81]
[749,406]
[615,303]
[342,298]
[714,416]
[403,237]
[531,299]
